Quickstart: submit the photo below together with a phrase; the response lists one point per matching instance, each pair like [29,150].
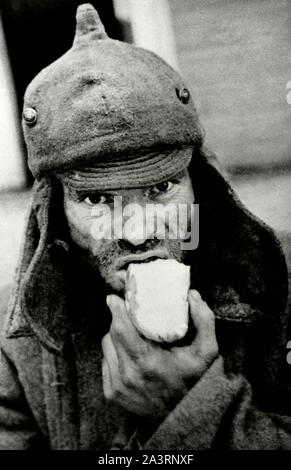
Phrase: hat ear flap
[239,258]
[16,324]
[37,301]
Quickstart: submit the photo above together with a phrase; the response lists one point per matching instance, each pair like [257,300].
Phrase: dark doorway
[39,31]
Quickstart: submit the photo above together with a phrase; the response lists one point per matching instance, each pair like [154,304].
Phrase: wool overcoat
[51,394]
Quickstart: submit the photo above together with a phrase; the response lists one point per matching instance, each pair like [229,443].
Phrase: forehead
[87,185]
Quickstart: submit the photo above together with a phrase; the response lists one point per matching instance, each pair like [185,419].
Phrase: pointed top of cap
[88,24]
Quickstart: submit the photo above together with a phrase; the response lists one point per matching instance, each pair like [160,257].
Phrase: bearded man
[109,121]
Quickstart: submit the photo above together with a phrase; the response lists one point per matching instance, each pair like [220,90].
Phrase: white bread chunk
[156,299]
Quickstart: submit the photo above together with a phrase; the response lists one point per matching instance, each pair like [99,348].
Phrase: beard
[104,258]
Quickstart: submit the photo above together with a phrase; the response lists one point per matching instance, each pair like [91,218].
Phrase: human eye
[162,188]
[94,199]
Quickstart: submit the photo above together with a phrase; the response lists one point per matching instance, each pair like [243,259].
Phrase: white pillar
[151,26]
[12,173]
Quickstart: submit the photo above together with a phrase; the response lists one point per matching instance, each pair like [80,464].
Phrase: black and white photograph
[145,228]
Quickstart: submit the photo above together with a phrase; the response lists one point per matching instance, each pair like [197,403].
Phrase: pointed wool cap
[112,107]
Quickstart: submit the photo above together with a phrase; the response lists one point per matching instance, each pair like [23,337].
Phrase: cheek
[180,219]
[88,231]
[80,224]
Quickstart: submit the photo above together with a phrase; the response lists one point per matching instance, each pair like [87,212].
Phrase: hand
[146,379]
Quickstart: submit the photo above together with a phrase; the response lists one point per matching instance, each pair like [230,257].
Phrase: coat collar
[38,305]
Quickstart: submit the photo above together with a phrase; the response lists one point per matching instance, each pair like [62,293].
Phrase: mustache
[119,248]
[109,253]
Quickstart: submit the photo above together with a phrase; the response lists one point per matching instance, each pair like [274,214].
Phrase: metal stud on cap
[184,95]
[30,116]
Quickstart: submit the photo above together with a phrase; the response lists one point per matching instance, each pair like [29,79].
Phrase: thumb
[204,322]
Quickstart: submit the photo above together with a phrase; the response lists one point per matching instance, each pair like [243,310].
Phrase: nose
[137,230]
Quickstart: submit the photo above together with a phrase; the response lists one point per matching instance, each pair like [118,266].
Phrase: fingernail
[108,300]
[195,295]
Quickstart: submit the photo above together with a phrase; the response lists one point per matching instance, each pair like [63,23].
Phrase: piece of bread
[156,299]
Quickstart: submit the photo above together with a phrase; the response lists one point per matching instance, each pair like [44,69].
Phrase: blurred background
[235,56]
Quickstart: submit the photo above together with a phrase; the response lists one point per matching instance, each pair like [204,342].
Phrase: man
[111,122]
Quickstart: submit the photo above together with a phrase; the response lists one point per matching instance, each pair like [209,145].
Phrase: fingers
[107,386]
[110,368]
[205,343]
[122,330]
[117,372]
[110,354]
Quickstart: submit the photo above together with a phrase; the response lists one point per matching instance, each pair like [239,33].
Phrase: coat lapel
[99,420]
[61,400]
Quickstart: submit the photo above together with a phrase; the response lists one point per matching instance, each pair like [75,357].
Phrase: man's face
[118,227]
